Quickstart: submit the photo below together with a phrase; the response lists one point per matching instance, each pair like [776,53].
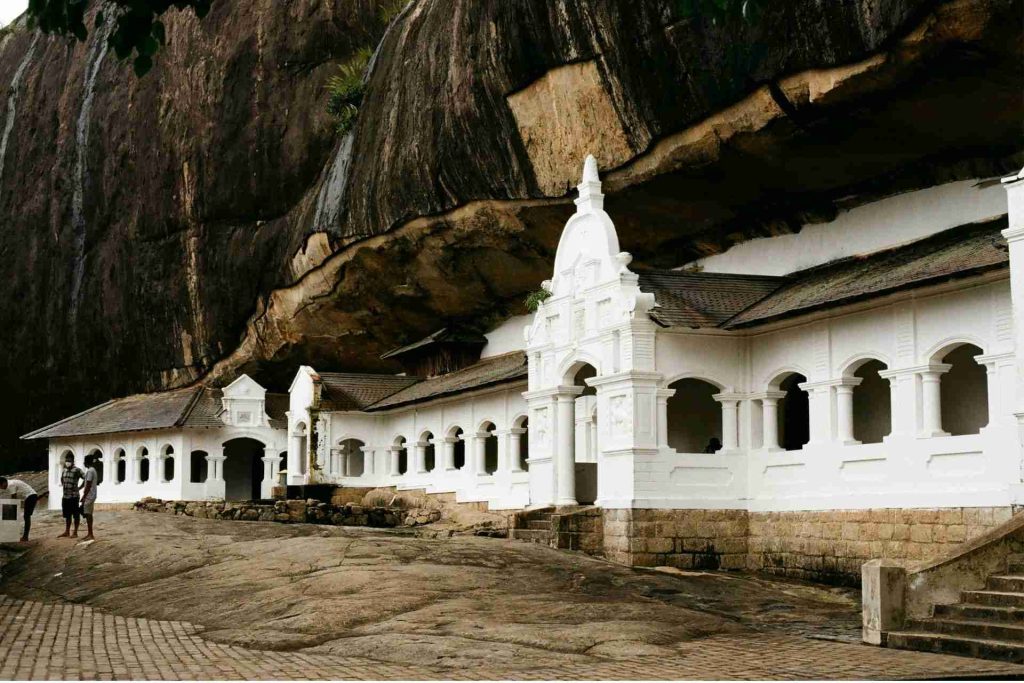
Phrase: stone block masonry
[822,546]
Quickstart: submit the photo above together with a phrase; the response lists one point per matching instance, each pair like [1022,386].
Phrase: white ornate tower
[596,315]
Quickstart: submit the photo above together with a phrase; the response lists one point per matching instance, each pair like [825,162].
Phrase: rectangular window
[9,512]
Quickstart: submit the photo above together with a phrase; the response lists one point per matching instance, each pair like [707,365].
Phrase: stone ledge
[293,512]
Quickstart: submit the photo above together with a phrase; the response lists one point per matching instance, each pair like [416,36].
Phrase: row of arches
[453,455]
[863,404]
[243,467]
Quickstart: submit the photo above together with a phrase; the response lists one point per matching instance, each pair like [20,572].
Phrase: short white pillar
[515,438]
[215,486]
[420,458]
[931,400]
[137,469]
[844,410]
[448,452]
[730,420]
[565,456]
[661,397]
[480,453]
[770,419]
[395,454]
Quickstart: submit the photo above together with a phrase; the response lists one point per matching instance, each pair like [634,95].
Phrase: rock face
[209,219]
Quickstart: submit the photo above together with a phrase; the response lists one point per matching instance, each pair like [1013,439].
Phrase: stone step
[970,628]
[533,536]
[539,524]
[996,598]
[1013,615]
[999,650]
[1009,583]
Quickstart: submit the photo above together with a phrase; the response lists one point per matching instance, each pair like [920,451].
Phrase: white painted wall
[506,337]
[889,222]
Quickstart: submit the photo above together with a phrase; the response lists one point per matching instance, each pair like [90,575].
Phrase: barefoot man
[69,478]
[16,488]
[92,480]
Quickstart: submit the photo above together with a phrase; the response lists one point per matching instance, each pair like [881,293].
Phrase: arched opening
[872,403]
[197,467]
[282,468]
[586,442]
[352,457]
[694,417]
[120,466]
[523,454]
[143,460]
[243,469]
[302,442]
[403,455]
[458,448]
[97,464]
[794,421]
[963,392]
[490,447]
[429,451]
[168,458]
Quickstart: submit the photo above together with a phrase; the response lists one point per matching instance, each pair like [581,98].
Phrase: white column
[931,401]
[137,469]
[504,455]
[902,401]
[215,486]
[368,460]
[565,456]
[661,397]
[448,452]
[1014,235]
[395,450]
[480,453]
[769,419]
[844,410]
[420,458]
[730,420]
[515,437]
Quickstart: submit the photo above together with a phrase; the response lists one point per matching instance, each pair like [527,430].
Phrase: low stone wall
[294,512]
[822,546]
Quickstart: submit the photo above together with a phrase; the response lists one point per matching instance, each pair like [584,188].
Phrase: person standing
[69,478]
[92,481]
[16,488]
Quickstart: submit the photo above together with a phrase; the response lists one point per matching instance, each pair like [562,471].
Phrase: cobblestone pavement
[72,641]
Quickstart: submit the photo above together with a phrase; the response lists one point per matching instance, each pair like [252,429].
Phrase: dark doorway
[243,469]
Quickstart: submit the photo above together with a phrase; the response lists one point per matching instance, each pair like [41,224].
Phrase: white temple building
[863,365]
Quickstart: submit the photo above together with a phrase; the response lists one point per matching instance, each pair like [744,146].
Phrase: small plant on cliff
[345,90]
[535,299]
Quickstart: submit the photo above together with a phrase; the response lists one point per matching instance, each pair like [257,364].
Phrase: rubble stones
[294,512]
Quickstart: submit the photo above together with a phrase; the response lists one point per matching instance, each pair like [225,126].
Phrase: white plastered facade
[243,416]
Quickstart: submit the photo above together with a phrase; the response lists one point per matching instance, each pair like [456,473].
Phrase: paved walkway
[71,641]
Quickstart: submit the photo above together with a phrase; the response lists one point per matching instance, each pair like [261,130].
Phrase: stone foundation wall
[830,546]
[686,539]
[823,546]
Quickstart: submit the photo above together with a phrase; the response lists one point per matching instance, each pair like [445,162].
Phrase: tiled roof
[354,391]
[487,372]
[192,407]
[959,252]
[694,300]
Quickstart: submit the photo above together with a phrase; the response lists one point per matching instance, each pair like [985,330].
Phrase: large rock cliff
[208,218]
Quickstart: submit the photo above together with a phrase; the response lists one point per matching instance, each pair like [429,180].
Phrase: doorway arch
[243,469]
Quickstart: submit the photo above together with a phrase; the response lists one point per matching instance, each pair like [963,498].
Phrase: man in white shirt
[16,488]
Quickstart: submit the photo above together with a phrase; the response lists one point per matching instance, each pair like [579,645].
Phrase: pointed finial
[590,170]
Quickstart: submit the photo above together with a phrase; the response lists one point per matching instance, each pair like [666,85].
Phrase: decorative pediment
[244,402]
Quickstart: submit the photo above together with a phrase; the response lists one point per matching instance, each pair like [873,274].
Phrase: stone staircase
[567,528]
[986,623]
[534,526]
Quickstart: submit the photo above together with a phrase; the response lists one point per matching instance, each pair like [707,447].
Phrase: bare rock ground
[394,597]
